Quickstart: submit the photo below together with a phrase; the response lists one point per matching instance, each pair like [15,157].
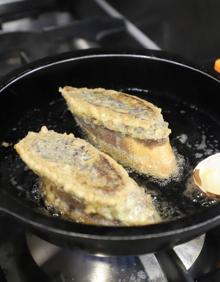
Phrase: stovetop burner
[78,265]
[25,257]
[31,30]
[23,45]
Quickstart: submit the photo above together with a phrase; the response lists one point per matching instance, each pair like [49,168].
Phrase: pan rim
[55,60]
[84,232]
[40,221]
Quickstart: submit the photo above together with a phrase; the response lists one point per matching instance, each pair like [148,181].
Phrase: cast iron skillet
[29,98]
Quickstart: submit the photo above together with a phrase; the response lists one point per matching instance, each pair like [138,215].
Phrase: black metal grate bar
[17,9]
[134,32]
[172,267]
[91,29]
[24,58]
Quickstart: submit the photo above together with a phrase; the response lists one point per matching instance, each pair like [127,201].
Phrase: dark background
[190,27]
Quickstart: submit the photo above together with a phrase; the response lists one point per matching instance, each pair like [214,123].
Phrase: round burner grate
[77,265]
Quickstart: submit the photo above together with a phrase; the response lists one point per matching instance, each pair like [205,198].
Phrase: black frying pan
[189,98]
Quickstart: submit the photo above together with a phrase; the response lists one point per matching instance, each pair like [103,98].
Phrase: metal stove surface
[25,257]
[30,30]
[78,265]
[36,33]
[35,39]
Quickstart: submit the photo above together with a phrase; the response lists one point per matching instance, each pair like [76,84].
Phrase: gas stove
[35,29]
[31,30]
[25,257]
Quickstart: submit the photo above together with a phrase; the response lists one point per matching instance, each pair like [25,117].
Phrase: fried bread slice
[83,183]
[129,129]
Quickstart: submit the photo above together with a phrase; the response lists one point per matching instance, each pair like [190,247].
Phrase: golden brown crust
[117,111]
[70,207]
[152,158]
[88,175]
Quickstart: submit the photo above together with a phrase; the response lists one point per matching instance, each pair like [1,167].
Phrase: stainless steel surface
[152,268]
[53,260]
[188,252]
[78,265]
[42,22]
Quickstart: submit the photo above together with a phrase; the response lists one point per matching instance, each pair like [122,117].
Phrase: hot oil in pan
[194,136]
[167,194]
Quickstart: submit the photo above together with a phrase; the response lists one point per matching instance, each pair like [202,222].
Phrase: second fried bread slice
[117,111]
[129,129]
